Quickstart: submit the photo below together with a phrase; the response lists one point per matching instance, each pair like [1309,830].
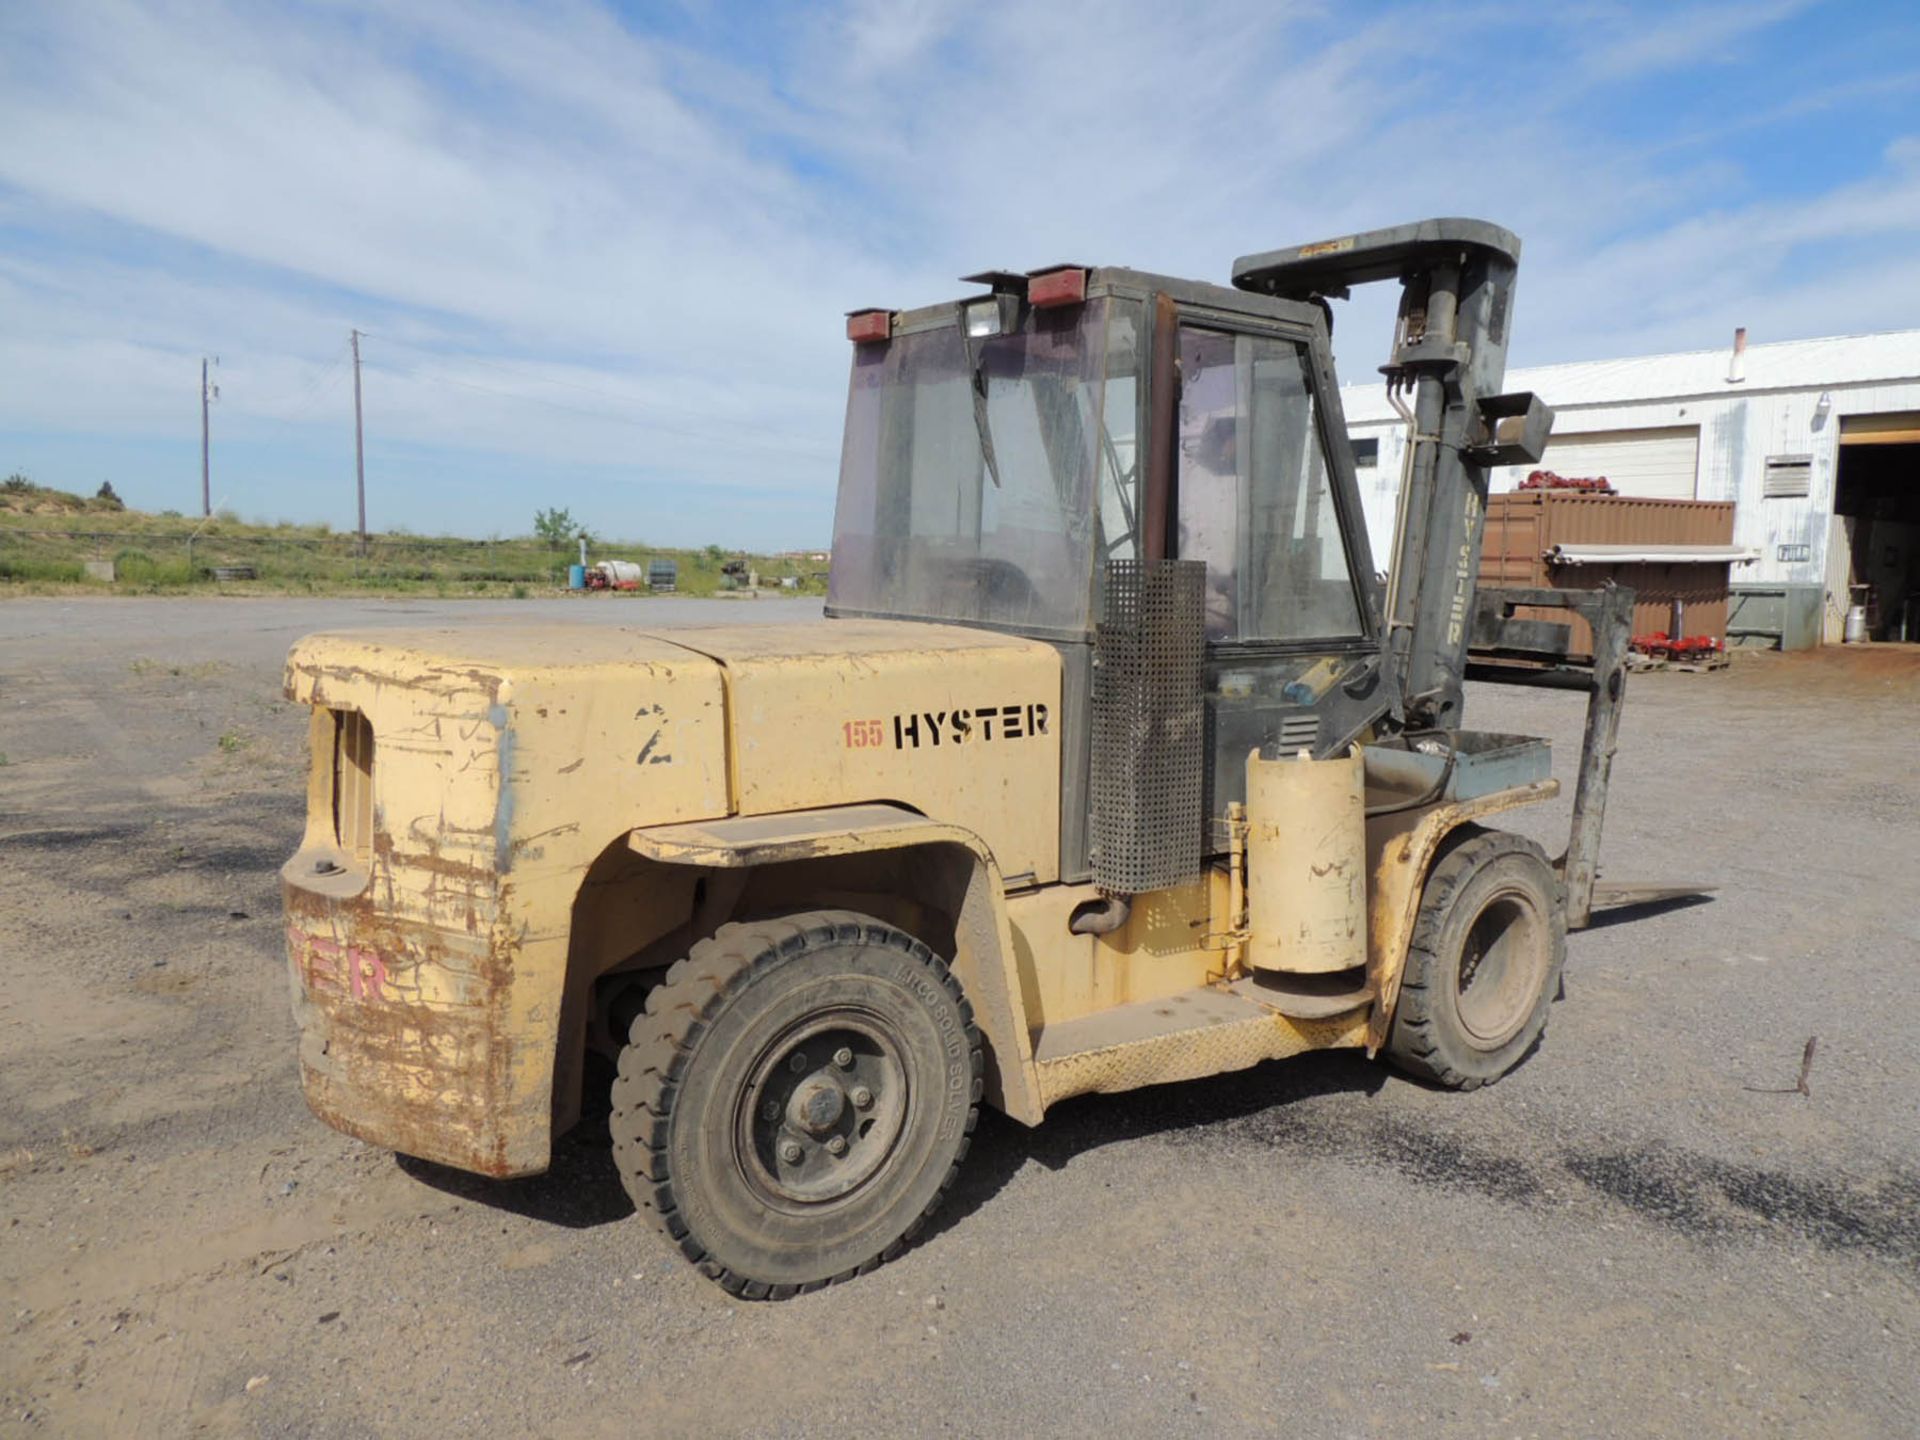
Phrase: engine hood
[574,728]
[958,724]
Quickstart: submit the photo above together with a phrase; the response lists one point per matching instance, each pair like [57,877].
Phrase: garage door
[1900,428]
[1638,462]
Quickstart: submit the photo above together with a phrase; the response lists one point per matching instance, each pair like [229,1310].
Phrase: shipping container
[1525,527]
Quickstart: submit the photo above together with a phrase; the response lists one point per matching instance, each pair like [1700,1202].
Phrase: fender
[1400,850]
[984,958]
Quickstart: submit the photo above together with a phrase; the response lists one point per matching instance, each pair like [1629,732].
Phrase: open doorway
[1876,504]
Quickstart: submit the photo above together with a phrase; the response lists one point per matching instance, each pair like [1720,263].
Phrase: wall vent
[1788,476]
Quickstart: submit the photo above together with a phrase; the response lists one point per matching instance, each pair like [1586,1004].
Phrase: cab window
[1255,500]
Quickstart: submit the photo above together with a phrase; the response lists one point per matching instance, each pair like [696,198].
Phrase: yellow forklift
[1112,764]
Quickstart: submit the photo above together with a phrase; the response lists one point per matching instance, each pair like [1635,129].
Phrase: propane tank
[1306,863]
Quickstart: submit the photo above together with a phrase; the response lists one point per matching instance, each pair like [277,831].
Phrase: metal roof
[1782,365]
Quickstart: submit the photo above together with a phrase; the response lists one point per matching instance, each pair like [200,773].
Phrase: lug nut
[770,1110]
[797,1063]
[790,1151]
[837,1145]
[861,1097]
[843,1057]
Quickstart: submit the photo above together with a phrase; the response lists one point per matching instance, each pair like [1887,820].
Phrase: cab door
[1264,494]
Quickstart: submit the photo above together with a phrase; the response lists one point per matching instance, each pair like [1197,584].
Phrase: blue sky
[601,252]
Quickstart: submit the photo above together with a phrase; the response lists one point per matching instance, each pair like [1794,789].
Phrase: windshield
[925,528]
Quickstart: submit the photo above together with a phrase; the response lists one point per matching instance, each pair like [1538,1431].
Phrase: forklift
[1113,763]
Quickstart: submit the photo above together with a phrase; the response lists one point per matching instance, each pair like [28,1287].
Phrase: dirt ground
[1643,1231]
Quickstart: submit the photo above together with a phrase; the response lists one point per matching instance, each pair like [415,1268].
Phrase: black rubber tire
[686,1081]
[1502,883]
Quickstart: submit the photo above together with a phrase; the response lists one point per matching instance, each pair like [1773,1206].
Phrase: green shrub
[134,566]
[29,567]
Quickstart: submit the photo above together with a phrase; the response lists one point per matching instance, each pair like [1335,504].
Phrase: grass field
[48,536]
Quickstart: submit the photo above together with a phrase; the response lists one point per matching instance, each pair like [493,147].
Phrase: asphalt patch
[1699,1197]
[1708,1199]
[77,838]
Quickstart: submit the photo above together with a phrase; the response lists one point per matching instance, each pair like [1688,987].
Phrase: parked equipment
[1688,648]
[1584,485]
[1112,765]
[614,575]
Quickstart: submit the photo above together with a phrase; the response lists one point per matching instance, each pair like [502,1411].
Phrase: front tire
[797,1099]
[1484,963]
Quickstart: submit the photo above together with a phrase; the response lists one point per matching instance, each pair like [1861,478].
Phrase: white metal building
[1817,443]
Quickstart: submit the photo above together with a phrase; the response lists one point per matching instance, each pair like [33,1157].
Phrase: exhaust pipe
[1100,917]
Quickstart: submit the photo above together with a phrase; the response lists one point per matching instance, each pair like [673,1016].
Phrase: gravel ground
[1642,1231]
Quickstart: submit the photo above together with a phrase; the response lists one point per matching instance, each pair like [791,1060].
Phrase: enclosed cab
[1112,763]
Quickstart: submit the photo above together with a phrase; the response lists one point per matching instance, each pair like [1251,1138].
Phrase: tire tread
[1414,1043]
[661,1043]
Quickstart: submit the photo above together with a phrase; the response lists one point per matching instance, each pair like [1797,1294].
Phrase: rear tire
[797,1099]
[1484,963]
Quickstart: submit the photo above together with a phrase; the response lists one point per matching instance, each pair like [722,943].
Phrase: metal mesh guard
[1149,758]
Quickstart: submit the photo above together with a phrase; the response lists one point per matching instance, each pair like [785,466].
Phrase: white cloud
[585,246]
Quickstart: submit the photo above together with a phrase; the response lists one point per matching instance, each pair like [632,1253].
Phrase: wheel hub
[817,1106]
[1500,969]
[823,1110]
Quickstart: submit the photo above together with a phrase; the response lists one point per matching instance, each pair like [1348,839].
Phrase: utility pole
[359,446]
[208,393]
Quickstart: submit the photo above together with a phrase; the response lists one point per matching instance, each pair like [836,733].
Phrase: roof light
[1063,285]
[983,319]
[995,314]
[868,327]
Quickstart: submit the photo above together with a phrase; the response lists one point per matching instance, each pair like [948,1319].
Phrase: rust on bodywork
[431,973]
[399,1038]
[428,974]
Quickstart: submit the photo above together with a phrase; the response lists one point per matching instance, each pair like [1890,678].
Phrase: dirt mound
[22,497]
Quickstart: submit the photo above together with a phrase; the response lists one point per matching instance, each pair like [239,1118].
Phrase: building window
[1366,453]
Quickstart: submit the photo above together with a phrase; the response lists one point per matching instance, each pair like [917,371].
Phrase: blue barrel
[576,577]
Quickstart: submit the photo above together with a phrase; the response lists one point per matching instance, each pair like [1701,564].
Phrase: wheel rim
[823,1109]
[1501,964]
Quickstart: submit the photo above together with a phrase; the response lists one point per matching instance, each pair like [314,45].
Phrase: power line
[316,386]
[300,398]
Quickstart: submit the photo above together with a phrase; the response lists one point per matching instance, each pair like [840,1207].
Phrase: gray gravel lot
[1637,1233]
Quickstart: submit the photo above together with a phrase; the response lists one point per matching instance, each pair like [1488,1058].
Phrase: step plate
[1183,1037]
